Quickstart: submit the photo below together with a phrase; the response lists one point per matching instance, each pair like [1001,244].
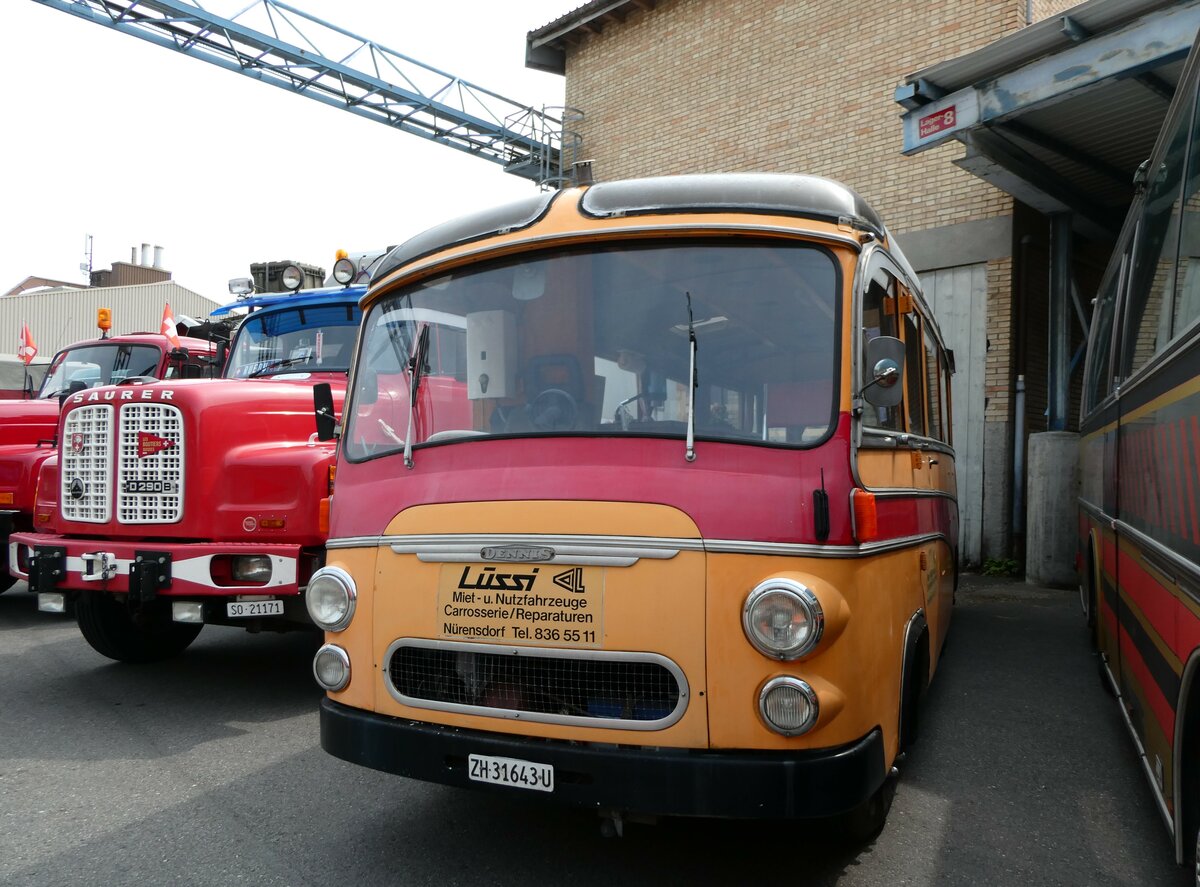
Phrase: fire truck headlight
[252,568]
[788,705]
[331,667]
[783,619]
[330,598]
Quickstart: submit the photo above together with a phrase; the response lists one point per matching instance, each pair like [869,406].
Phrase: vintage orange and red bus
[1139,533]
[684,543]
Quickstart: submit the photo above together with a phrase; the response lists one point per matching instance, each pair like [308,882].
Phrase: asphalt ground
[207,771]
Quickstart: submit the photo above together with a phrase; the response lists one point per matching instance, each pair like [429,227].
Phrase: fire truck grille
[86,465]
[150,463]
[569,687]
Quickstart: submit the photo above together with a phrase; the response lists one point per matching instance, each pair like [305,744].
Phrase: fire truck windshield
[99,364]
[308,339]
[596,341]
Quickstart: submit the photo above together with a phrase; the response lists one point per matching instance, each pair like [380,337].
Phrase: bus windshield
[100,364]
[597,341]
[307,339]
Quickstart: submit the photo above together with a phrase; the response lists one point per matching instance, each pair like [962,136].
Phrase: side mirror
[885,361]
[323,409]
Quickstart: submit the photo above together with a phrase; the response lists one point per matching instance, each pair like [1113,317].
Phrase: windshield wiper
[416,367]
[277,364]
[694,376]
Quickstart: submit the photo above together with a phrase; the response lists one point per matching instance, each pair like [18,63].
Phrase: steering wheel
[553,410]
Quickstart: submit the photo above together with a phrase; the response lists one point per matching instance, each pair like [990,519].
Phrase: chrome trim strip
[912,493]
[1186,574]
[1095,511]
[543,652]
[603,551]
[785,549]
[438,548]
[1141,750]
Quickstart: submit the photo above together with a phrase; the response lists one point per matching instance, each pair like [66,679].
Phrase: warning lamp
[104,320]
[866,519]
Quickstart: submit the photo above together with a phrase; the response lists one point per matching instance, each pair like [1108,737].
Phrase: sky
[110,136]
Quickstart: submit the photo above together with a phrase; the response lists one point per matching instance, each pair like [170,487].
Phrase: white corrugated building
[58,317]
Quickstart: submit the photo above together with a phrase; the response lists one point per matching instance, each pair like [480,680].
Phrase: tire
[864,823]
[116,631]
[7,579]
[1196,858]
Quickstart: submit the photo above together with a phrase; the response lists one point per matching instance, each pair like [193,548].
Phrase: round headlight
[343,271]
[788,705]
[292,277]
[330,598]
[331,667]
[783,619]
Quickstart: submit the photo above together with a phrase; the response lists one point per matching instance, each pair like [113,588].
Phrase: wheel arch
[1186,768]
[914,676]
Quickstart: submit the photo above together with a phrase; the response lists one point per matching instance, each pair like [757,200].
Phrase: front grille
[85,471]
[643,691]
[150,461]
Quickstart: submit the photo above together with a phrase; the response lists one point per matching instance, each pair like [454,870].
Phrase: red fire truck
[27,427]
[177,503]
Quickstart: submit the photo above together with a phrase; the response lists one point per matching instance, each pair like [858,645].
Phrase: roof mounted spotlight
[344,271]
[241,287]
[292,278]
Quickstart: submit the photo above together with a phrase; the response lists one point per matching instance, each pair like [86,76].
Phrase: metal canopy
[345,71]
[1060,114]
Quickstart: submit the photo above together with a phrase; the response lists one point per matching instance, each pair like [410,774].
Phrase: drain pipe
[1018,509]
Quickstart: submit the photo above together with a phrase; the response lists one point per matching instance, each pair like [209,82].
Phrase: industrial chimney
[146,257]
[158,257]
[133,255]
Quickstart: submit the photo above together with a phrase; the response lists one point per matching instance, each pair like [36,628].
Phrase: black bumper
[660,781]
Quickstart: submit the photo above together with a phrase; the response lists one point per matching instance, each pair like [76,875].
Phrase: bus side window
[1152,279]
[1099,379]
[933,387]
[913,375]
[1187,299]
[947,415]
[879,319]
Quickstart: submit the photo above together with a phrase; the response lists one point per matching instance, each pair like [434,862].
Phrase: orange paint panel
[655,605]
[356,639]
[550,517]
[860,656]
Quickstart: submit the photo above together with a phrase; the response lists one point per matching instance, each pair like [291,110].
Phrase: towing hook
[611,824]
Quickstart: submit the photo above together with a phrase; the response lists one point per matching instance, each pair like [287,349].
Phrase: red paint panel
[1162,710]
[1186,467]
[1159,607]
[731,491]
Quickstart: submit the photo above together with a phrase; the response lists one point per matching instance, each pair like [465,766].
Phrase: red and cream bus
[1139,530]
[684,543]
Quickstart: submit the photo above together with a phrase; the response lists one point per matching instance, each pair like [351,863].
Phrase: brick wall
[784,86]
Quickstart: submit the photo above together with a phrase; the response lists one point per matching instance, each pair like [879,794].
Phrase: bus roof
[775,193]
